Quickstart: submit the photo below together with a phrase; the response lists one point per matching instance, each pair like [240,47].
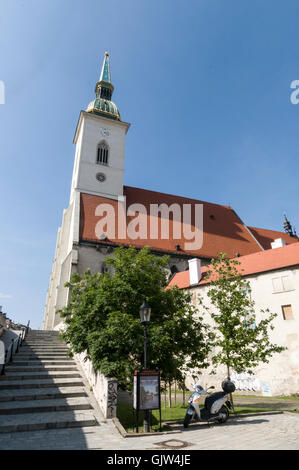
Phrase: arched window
[103,154]
[173,271]
[104,268]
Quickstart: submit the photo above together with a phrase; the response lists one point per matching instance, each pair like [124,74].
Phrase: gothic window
[103,154]
[104,268]
[173,271]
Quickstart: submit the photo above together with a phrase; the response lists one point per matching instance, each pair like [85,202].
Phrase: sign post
[146,392]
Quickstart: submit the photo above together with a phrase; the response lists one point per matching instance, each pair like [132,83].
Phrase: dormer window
[103,154]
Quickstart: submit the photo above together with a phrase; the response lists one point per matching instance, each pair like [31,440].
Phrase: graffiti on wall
[246,382]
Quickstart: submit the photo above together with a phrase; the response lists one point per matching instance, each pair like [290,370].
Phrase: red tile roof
[266,237]
[263,261]
[223,229]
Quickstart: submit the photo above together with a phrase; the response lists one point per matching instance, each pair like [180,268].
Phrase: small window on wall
[103,154]
[282,284]
[287,312]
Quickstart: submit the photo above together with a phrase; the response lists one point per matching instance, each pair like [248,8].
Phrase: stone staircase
[43,389]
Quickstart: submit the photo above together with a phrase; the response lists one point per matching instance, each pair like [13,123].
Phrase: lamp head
[145,313]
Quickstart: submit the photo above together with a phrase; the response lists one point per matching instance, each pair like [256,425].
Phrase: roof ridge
[247,270]
[267,229]
[182,197]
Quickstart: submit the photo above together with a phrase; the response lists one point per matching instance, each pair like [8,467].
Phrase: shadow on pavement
[231,422]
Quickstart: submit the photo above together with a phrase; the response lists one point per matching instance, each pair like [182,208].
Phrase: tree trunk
[231,396]
[169,395]
[165,395]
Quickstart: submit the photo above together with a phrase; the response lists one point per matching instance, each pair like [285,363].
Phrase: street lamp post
[145,315]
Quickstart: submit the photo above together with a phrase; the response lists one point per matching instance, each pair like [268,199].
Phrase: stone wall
[2,324]
[104,389]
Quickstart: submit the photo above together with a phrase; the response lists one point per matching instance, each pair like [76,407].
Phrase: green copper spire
[103,105]
[104,88]
[105,74]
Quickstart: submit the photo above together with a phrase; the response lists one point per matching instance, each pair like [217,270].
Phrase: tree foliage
[241,342]
[102,318]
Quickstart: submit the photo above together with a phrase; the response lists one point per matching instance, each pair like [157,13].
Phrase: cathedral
[103,213]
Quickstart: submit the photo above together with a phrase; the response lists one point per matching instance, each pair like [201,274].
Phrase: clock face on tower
[101,177]
[104,131]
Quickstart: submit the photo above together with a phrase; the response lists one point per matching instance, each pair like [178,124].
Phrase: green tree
[241,342]
[102,318]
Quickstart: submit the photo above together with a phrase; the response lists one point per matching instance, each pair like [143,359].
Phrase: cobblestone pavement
[263,432]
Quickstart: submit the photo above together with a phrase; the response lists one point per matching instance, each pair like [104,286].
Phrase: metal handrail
[9,352]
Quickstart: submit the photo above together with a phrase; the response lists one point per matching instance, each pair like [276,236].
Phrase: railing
[13,348]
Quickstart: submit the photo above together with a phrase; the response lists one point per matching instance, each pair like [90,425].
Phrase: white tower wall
[91,131]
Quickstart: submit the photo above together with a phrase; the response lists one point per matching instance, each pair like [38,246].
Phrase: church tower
[100,143]
[98,170]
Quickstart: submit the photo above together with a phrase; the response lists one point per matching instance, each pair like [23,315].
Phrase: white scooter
[216,406]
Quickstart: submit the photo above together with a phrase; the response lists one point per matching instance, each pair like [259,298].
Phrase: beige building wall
[274,291]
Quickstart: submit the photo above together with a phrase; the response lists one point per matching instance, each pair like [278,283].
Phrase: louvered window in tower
[102,156]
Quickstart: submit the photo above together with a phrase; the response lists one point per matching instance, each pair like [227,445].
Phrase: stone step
[33,352]
[42,339]
[53,420]
[43,344]
[44,335]
[49,346]
[42,393]
[45,349]
[41,383]
[32,331]
[44,353]
[39,368]
[58,362]
[40,356]
[44,406]
[37,339]
[38,375]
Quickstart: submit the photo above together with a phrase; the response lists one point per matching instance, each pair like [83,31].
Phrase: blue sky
[205,85]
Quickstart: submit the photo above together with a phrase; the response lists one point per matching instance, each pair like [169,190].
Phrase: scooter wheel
[187,420]
[225,414]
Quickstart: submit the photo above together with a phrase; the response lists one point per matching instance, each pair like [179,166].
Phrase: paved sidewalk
[264,432]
